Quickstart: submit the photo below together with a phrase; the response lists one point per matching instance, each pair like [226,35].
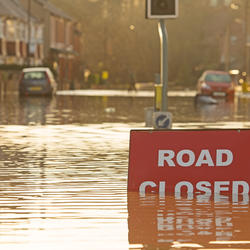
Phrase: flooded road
[64,165]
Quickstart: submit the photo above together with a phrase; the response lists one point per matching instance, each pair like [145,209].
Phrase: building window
[1,46]
[40,51]
[11,30]
[11,48]
[39,34]
[21,32]
[1,29]
[60,31]
[23,52]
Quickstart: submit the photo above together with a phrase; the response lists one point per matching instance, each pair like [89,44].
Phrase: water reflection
[178,222]
[105,109]
[72,110]
[223,110]
[237,110]
[33,110]
[63,172]
[63,186]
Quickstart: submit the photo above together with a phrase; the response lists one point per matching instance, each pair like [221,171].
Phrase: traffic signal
[161,9]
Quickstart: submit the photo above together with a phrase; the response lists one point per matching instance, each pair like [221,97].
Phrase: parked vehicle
[37,81]
[216,84]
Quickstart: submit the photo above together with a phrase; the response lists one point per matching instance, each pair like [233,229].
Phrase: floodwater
[64,167]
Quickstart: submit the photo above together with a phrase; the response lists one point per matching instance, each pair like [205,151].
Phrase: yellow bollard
[244,82]
[245,87]
[158,96]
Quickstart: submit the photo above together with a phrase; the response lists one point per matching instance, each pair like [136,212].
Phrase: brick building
[61,40]
[15,36]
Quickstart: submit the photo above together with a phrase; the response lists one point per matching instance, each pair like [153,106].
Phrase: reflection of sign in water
[166,222]
[162,120]
[197,161]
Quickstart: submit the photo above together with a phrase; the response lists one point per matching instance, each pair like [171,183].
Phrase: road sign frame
[149,14]
[204,161]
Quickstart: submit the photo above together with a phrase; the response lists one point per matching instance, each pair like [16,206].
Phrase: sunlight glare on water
[50,197]
[64,168]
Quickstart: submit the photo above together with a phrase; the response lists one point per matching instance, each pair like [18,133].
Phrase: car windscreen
[218,78]
[36,75]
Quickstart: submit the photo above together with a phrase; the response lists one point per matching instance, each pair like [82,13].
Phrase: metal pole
[247,40]
[164,62]
[246,37]
[29,32]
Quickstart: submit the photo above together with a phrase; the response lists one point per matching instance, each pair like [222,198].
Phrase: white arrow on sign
[162,120]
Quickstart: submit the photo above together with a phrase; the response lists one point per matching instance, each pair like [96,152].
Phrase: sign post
[164,62]
[161,10]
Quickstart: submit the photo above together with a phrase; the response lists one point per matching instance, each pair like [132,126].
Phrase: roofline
[217,71]
[35,69]
[54,10]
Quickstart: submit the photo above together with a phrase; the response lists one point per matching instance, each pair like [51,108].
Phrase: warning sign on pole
[162,120]
[189,161]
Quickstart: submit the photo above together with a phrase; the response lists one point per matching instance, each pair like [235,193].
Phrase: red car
[216,84]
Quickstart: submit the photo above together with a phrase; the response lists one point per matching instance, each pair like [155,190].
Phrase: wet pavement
[64,164]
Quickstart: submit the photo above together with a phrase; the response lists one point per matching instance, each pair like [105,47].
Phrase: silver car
[37,81]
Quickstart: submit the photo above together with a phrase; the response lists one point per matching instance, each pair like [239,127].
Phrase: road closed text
[200,187]
[188,158]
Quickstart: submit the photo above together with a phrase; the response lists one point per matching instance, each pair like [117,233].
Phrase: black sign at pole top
[161,9]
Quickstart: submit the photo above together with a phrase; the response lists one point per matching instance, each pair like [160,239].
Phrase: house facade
[21,42]
[62,39]
[35,33]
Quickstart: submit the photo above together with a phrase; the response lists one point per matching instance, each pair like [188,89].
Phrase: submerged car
[216,84]
[37,81]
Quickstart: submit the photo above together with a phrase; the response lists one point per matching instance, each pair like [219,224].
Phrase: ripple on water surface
[63,186]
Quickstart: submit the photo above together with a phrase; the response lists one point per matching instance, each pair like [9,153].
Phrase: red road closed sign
[189,161]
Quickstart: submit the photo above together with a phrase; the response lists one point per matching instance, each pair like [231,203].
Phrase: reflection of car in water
[216,84]
[37,81]
[221,111]
[34,109]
